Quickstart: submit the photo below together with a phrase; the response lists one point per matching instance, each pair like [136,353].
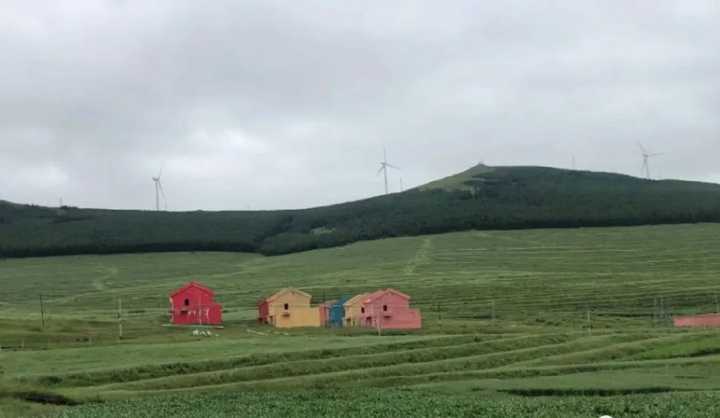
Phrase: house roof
[287,290]
[329,303]
[355,299]
[336,302]
[195,285]
[703,315]
[342,300]
[374,295]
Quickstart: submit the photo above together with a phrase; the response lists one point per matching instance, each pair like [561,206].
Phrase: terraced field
[527,364]
[399,403]
[580,316]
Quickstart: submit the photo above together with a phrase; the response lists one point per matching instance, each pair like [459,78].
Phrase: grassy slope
[458,181]
[542,284]
[528,273]
[480,198]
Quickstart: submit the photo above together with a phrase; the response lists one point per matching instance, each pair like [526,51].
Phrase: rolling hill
[541,323]
[480,198]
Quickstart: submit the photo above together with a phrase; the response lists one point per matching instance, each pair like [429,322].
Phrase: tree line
[506,198]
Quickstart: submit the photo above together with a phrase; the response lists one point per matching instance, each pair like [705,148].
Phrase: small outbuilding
[288,308]
[194,304]
[697,321]
[325,312]
[389,309]
[333,313]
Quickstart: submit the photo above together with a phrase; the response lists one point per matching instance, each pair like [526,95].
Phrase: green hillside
[542,323]
[481,198]
[460,181]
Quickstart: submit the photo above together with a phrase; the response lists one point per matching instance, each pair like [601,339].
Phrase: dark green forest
[486,198]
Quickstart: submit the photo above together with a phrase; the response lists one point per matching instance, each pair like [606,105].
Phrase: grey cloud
[288,104]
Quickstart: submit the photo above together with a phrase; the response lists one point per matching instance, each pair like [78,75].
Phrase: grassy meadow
[559,322]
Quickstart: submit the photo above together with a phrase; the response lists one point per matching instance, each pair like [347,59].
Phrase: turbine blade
[392,166]
[642,148]
[382,167]
[162,167]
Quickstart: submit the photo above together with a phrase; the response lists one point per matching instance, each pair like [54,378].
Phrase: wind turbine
[646,158]
[384,165]
[159,191]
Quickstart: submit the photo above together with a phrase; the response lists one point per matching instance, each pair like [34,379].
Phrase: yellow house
[289,308]
[354,310]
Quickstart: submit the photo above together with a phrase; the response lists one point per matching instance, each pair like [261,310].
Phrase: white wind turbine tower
[384,165]
[159,191]
[646,158]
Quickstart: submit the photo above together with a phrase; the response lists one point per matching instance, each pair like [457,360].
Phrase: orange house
[354,310]
[289,308]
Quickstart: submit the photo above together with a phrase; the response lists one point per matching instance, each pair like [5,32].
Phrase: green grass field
[562,322]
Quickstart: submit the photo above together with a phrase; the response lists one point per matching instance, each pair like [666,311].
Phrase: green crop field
[546,323]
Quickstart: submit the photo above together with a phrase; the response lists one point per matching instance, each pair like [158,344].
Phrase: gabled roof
[329,303]
[287,290]
[195,285]
[374,295]
[336,302]
[702,315]
[355,299]
[342,300]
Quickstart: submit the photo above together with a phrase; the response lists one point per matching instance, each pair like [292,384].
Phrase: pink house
[698,321]
[389,309]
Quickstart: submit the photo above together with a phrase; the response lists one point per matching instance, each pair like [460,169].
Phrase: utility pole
[662,310]
[655,306]
[377,322]
[492,309]
[589,322]
[119,319]
[42,313]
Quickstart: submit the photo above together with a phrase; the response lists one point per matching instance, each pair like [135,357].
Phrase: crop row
[327,374]
[421,358]
[394,403]
[181,368]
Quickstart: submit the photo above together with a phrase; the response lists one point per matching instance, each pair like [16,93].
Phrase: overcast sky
[288,104]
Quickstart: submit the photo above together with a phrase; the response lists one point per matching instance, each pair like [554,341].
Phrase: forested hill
[480,198]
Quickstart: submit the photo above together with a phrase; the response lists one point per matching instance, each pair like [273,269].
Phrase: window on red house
[287,306]
[187,302]
[385,308]
[362,310]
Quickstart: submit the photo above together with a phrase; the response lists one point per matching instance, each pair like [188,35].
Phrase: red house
[389,309]
[263,307]
[193,304]
[697,321]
